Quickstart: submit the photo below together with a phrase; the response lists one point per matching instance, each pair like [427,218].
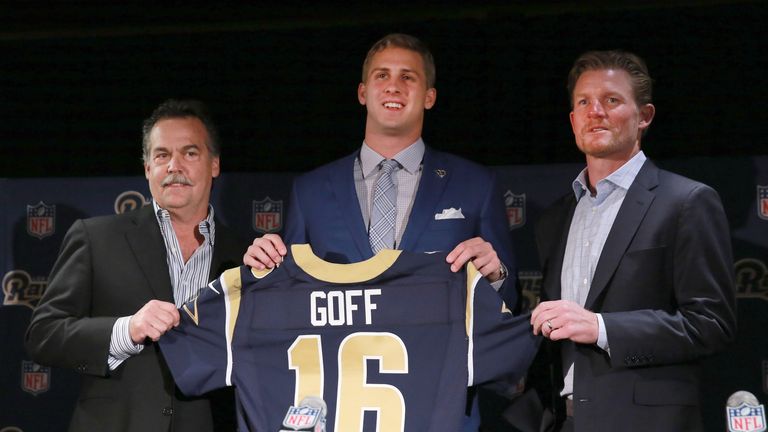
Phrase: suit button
[82,368]
[167,411]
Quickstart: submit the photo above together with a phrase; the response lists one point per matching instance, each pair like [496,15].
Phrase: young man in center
[433,201]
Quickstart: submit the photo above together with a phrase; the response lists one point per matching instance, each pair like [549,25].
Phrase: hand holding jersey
[268,252]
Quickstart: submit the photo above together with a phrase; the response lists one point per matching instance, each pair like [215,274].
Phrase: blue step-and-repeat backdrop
[36,213]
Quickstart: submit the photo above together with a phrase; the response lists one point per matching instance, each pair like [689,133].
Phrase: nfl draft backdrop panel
[35,214]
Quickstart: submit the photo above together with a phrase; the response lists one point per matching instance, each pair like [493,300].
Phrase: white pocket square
[449,213]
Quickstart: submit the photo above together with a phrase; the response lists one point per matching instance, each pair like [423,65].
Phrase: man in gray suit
[116,285]
[638,271]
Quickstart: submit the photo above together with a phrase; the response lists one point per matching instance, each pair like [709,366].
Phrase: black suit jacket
[110,267]
[664,286]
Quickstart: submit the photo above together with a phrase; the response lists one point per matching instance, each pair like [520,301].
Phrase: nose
[174,164]
[393,86]
[595,109]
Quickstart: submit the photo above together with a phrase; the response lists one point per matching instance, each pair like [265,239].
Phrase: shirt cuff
[121,347]
[602,335]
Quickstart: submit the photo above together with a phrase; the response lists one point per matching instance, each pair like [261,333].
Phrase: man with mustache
[638,274]
[118,280]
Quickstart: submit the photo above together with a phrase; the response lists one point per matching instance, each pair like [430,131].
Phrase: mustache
[176,178]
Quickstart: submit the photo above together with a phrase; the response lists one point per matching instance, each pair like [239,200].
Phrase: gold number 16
[353,394]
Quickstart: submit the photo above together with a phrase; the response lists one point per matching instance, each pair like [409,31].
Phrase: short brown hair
[400,40]
[642,84]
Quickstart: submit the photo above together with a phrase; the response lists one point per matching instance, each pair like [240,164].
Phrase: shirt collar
[206,226]
[622,177]
[409,158]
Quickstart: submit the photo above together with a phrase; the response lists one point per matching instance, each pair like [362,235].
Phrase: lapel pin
[440,173]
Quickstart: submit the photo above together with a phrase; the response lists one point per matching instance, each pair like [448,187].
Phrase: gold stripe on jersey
[473,275]
[233,285]
[343,273]
[194,316]
[261,274]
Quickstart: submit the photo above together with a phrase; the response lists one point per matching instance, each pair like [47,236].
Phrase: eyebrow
[184,148]
[386,69]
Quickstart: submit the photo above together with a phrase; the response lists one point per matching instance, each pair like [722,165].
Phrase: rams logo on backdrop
[41,220]
[21,289]
[751,278]
[129,200]
[515,209]
[35,379]
[267,215]
[530,285]
[762,202]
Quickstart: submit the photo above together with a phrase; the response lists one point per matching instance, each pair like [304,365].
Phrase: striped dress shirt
[186,279]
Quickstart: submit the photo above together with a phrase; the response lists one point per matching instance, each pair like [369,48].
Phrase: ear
[146,170]
[215,167]
[361,93]
[647,112]
[430,98]
[573,127]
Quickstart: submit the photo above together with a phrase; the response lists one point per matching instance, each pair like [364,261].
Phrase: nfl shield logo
[35,379]
[267,215]
[302,417]
[746,418]
[515,209]
[41,220]
[762,202]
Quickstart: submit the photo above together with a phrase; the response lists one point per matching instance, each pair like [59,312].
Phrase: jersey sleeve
[199,350]
[500,344]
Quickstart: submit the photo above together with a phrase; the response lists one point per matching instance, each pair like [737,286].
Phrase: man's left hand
[563,319]
[482,255]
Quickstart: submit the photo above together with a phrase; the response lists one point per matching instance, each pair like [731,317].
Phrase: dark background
[77,79]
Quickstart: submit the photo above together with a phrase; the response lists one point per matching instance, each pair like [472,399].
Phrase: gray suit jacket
[664,286]
[110,267]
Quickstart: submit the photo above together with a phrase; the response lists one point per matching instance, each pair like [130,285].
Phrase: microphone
[308,416]
[744,413]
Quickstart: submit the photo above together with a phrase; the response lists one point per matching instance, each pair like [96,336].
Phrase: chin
[174,202]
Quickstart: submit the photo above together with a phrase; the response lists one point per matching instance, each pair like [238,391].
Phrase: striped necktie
[381,233]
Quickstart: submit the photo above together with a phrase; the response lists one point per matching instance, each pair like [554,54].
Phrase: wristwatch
[502,272]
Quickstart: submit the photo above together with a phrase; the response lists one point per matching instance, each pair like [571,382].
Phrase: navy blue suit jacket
[324,211]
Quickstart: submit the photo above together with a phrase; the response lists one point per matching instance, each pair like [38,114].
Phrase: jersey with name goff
[389,343]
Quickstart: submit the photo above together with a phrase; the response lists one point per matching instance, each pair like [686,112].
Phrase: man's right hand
[152,321]
[265,252]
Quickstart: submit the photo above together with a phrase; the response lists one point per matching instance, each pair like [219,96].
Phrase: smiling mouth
[393,105]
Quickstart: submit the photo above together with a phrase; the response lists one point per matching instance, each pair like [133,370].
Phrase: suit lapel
[633,209]
[342,186]
[224,248]
[146,243]
[434,178]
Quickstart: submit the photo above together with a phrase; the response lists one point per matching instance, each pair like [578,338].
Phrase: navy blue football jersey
[390,344]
